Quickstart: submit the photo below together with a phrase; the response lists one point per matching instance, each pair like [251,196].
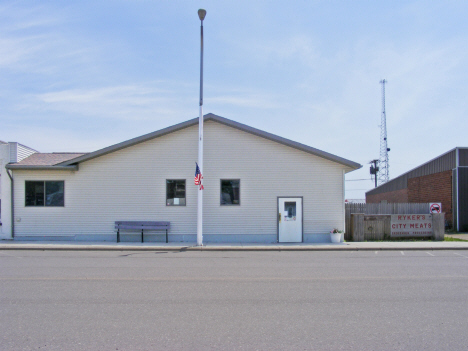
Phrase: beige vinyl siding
[125,185]
[129,184]
[267,170]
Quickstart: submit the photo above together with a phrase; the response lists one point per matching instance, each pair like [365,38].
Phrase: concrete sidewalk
[347,246]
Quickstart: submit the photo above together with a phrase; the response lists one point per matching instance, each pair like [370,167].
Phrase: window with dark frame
[230,192]
[45,193]
[175,192]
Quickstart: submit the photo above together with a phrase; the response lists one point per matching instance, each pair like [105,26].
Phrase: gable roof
[219,119]
[194,121]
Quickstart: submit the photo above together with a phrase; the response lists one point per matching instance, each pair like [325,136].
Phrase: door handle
[279,217]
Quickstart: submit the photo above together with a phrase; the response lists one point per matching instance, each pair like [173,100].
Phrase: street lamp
[201,15]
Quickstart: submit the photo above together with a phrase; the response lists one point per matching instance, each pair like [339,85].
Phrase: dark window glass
[40,193]
[34,193]
[290,207]
[54,194]
[175,192]
[230,192]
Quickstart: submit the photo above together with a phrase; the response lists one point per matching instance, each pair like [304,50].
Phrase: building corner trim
[457,165]
[12,188]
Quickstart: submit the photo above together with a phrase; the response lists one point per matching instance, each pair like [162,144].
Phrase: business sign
[411,225]
[435,207]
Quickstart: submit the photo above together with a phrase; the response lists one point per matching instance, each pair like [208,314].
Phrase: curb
[221,248]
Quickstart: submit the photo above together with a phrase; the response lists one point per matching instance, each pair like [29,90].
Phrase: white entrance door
[290,219]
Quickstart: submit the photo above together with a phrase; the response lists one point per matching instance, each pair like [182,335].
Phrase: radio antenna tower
[383,172]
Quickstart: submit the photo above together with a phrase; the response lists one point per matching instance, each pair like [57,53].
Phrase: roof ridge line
[219,119]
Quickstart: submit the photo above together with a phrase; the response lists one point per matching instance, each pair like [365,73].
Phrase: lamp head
[201,14]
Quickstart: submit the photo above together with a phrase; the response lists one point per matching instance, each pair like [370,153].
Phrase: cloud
[43,46]
[25,33]
[14,51]
[84,68]
[246,99]
[276,51]
[124,102]
[50,139]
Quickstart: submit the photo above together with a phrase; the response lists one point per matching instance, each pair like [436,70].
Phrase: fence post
[438,226]
[357,227]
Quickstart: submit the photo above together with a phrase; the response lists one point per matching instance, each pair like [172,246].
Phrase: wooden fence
[381,208]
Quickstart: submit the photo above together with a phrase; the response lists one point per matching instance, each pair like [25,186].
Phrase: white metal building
[11,152]
[259,187]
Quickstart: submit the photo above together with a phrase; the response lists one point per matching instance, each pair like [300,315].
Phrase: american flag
[198,177]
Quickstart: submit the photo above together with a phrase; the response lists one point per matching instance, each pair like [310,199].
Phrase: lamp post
[201,15]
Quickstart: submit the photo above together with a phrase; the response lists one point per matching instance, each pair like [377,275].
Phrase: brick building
[443,179]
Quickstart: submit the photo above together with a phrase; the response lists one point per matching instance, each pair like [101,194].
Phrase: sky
[77,76]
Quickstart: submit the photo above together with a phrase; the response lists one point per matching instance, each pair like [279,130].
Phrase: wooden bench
[139,225]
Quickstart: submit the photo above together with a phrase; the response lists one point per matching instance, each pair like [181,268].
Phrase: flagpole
[201,15]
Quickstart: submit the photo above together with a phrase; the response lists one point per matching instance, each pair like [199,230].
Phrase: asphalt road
[357,300]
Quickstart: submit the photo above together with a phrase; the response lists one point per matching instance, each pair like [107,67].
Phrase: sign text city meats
[411,225]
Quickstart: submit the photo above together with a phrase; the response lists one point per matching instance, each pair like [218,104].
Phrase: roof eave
[13,166]
[285,141]
[219,119]
[131,142]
